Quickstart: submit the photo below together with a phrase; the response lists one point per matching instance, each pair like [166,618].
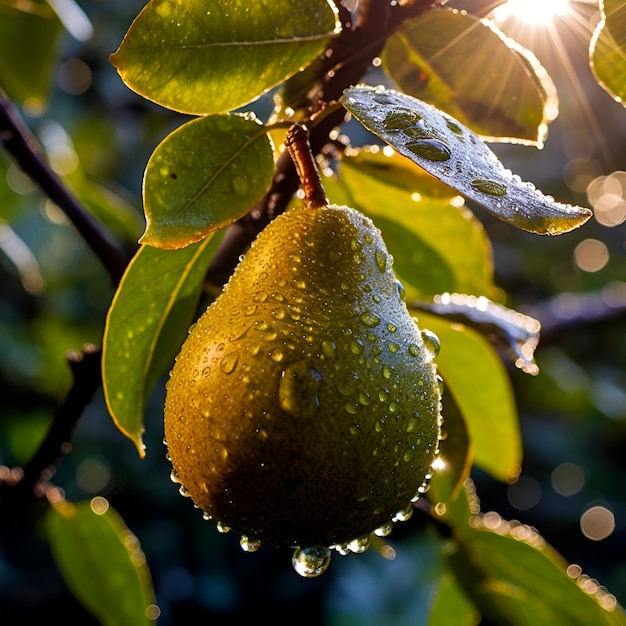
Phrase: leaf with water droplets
[211,56]
[608,49]
[515,333]
[466,67]
[203,176]
[146,324]
[471,167]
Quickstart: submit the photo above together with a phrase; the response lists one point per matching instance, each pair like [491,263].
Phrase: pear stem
[297,142]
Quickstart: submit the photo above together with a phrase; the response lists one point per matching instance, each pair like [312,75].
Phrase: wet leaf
[514,577]
[434,242]
[464,66]
[212,56]
[608,49]
[101,561]
[203,176]
[515,333]
[455,155]
[483,395]
[146,324]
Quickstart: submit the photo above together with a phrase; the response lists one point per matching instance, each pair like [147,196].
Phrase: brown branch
[86,371]
[347,59]
[23,147]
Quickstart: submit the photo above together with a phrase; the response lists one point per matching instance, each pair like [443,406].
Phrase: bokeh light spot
[568,479]
[591,255]
[597,523]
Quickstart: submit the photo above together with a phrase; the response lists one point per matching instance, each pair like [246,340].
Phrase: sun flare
[535,13]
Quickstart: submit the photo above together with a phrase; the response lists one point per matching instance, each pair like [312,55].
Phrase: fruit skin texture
[303,408]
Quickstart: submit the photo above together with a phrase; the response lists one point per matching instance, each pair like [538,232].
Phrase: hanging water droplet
[206,517]
[298,389]
[311,561]
[431,344]
[431,149]
[359,545]
[249,544]
[403,514]
[384,530]
[222,528]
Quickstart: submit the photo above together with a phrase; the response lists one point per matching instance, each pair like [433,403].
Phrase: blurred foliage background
[55,295]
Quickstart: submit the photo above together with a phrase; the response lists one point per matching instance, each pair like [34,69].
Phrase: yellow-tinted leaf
[464,66]
[211,56]
[474,374]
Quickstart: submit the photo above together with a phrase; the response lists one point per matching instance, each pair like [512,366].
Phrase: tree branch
[86,370]
[345,62]
[23,147]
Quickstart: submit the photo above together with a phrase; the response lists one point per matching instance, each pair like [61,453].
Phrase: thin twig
[24,148]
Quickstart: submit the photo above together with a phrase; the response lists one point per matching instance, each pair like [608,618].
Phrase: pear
[304,406]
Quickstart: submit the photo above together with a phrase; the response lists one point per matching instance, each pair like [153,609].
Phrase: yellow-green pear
[304,407]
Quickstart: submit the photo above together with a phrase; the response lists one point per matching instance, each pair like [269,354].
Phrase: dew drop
[369,319]
[298,389]
[228,363]
[384,530]
[403,514]
[359,545]
[431,344]
[277,355]
[329,349]
[431,149]
[347,385]
[249,544]
[222,528]
[381,259]
[392,328]
[393,347]
[311,561]
[206,517]
[400,290]
[491,187]
[414,350]
[356,346]
[409,454]
[399,119]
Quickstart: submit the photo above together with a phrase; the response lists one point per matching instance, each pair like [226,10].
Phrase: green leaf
[455,453]
[146,324]
[474,374]
[101,561]
[452,606]
[608,49]
[514,578]
[455,155]
[466,67]
[203,176]
[436,245]
[211,56]
[29,38]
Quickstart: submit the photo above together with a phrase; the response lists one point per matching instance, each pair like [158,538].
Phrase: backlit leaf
[203,176]
[464,66]
[455,155]
[146,324]
[211,56]
[29,36]
[514,577]
[608,49]
[433,242]
[474,374]
[101,561]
